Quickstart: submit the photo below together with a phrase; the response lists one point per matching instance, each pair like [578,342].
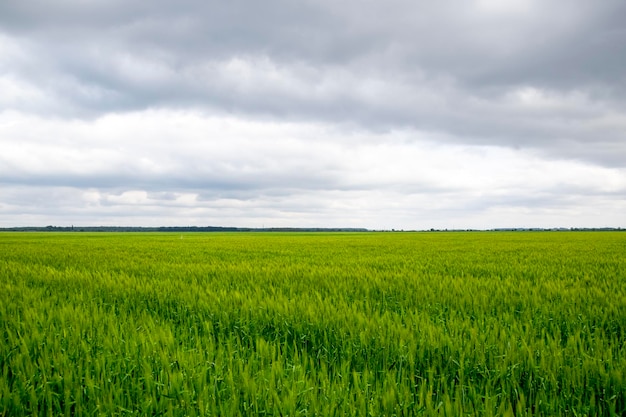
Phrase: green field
[299,324]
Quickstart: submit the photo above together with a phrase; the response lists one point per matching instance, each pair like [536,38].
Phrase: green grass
[298,324]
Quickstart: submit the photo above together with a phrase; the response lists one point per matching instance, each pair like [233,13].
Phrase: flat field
[346,324]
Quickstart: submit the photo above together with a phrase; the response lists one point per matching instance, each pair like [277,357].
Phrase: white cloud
[162,167]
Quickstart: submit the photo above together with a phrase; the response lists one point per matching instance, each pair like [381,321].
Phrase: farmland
[324,324]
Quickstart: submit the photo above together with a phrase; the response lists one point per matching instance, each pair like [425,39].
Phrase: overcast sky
[405,114]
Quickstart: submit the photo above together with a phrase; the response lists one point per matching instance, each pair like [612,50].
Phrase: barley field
[313,324]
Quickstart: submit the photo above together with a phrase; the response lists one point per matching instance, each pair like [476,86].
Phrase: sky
[403,114]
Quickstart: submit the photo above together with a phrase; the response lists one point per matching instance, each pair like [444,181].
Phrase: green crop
[345,324]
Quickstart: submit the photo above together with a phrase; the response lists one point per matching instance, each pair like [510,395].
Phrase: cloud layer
[367,114]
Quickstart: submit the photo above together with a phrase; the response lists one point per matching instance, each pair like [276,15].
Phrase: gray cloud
[329,83]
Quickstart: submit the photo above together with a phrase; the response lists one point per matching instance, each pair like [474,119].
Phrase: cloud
[213,169]
[260,110]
